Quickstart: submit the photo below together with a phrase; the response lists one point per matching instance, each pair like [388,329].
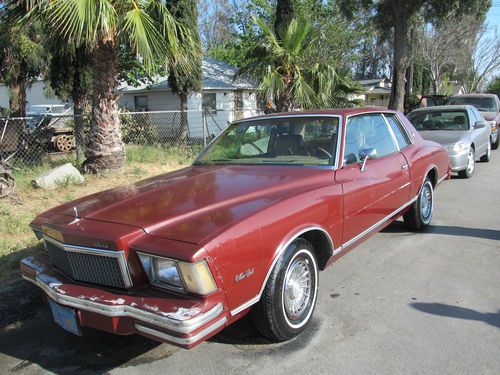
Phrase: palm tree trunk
[17,96]
[183,131]
[105,150]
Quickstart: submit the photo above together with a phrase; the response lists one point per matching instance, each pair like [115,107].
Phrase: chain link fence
[31,140]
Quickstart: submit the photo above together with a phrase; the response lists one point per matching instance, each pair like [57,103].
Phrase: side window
[401,136]
[479,116]
[472,116]
[367,131]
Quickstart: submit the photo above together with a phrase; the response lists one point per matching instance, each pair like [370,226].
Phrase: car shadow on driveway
[449,230]
[458,312]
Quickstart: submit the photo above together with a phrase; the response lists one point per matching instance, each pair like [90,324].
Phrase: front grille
[89,265]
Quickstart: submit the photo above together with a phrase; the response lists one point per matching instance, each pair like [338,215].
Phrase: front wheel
[420,213]
[471,165]
[289,298]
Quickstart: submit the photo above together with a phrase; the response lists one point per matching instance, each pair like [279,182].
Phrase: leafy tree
[104,27]
[286,74]
[216,24]
[494,86]
[245,34]
[22,59]
[182,82]
[396,15]
[480,58]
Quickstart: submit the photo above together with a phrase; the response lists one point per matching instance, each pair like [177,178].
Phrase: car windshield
[294,140]
[439,120]
[484,104]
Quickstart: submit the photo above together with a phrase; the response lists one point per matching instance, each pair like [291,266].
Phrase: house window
[238,100]
[209,102]
[141,103]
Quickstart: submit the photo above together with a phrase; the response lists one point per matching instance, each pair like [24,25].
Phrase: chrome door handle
[404,166]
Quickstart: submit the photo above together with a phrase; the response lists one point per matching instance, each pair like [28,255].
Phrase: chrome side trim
[280,252]
[377,224]
[119,255]
[393,136]
[441,179]
[246,305]
[179,340]
[299,114]
[180,326]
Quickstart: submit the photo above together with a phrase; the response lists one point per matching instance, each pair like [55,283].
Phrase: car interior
[440,120]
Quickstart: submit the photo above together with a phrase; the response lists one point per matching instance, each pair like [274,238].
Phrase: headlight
[177,275]
[457,147]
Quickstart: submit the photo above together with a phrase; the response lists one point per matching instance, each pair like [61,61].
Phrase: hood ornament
[77,217]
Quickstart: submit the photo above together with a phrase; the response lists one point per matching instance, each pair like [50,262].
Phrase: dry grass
[17,210]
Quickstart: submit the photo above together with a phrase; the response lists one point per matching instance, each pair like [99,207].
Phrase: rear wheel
[420,214]
[289,298]
[471,165]
[487,157]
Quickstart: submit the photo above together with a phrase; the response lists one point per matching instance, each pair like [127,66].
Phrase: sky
[493,17]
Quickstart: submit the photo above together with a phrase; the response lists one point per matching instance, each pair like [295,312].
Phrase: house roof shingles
[217,75]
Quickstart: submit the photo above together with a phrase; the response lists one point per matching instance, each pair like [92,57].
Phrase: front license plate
[65,317]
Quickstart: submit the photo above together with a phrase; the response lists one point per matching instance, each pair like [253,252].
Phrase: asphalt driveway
[401,303]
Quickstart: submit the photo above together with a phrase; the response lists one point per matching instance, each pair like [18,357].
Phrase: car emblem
[101,245]
[75,211]
[249,272]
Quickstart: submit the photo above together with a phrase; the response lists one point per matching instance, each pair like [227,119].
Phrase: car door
[481,136]
[373,194]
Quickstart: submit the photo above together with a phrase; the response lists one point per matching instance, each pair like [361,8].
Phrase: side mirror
[480,124]
[367,154]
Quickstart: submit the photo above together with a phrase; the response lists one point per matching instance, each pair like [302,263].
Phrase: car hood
[489,116]
[444,137]
[194,203]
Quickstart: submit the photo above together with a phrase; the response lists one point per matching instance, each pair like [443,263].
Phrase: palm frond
[293,38]
[141,31]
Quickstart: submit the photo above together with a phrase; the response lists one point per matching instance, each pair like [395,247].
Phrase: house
[374,92]
[36,94]
[221,99]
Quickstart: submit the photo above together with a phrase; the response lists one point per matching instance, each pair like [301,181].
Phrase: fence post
[4,129]
[204,128]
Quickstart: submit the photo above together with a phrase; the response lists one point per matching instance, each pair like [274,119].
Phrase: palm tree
[286,75]
[105,27]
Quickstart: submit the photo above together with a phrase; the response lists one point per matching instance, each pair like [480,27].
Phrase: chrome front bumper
[458,161]
[149,316]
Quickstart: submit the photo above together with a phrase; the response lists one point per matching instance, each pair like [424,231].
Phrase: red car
[267,205]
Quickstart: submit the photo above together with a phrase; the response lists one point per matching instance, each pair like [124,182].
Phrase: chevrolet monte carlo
[247,228]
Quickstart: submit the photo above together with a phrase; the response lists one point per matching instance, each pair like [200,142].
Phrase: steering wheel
[324,152]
